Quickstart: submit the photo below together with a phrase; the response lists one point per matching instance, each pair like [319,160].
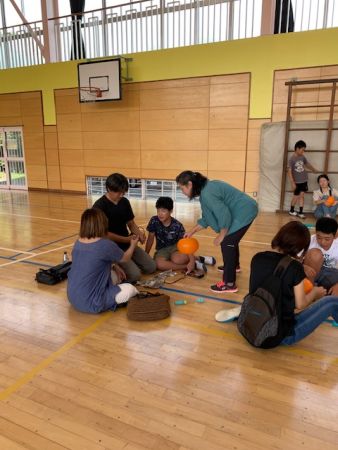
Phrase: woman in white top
[320,197]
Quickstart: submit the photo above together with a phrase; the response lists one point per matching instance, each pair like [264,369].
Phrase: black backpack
[53,275]
[260,319]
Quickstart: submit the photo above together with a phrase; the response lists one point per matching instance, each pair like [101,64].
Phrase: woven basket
[147,306]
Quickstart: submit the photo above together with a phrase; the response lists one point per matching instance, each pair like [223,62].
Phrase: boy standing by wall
[298,178]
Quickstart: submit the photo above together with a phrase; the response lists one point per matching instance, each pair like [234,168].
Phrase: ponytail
[198,181]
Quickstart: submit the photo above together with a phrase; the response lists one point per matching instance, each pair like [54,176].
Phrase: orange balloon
[308,286]
[187,246]
[330,201]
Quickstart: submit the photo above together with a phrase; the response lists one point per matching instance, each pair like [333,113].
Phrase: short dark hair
[165,203]
[94,224]
[197,179]
[300,144]
[327,225]
[292,238]
[116,182]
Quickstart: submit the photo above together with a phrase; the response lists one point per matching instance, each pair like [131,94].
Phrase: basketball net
[91,90]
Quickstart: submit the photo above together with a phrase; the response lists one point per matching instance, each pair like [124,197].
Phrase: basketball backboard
[100,80]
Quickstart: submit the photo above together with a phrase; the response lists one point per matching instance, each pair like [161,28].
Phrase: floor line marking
[36,255]
[224,300]
[53,242]
[241,242]
[287,348]
[15,250]
[28,376]
[38,217]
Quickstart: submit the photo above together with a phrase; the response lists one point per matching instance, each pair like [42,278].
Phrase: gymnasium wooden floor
[77,381]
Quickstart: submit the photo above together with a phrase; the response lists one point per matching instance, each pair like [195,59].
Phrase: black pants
[230,253]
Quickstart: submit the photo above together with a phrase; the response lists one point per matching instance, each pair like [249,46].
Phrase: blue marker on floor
[200,300]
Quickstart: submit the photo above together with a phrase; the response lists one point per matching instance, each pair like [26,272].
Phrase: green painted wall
[260,56]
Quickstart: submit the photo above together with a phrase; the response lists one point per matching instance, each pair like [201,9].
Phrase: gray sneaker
[292,213]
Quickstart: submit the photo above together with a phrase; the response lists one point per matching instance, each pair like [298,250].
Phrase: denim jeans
[309,319]
[323,211]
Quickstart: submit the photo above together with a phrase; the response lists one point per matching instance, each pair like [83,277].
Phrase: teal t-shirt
[224,206]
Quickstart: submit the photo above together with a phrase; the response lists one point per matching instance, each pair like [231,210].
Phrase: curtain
[284,21]
[77,9]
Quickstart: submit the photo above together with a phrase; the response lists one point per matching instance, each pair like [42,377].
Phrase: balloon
[330,201]
[308,286]
[187,246]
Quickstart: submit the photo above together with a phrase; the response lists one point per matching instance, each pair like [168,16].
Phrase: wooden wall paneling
[173,159]
[110,158]
[176,83]
[185,97]
[111,121]
[51,141]
[31,106]
[231,139]
[10,107]
[73,179]
[52,156]
[251,182]
[67,104]
[231,94]
[254,133]
[14,121]
[163,174]
[230,79]
[229,117]
[174,140]
[33,124]
[71,157]
[53,174]
[236,179]
[50,128]
[70,140]
[130,101]
[230,161]
[252,162]
[174,119]
[37,175]
[69,122]
[114,140]
[36,156]
[104,171]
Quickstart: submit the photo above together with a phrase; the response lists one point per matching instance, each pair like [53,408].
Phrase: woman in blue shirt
[228,211]
[90,287]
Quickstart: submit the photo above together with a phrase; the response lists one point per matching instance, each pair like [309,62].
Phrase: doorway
[12,160]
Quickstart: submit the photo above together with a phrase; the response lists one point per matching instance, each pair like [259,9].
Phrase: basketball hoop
[91,90]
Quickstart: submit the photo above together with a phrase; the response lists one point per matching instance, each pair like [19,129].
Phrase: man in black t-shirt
[121,226]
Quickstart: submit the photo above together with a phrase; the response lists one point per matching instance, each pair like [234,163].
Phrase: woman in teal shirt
[228,211]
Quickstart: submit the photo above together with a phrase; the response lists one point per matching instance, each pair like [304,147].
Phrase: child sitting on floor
[321,260]
[91,288]
[168,231]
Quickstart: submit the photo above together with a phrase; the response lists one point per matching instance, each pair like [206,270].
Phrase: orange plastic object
[187,246]
[308,286]
[330,201]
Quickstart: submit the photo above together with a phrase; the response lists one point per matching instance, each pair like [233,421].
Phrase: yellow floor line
[293,349]
[45,363]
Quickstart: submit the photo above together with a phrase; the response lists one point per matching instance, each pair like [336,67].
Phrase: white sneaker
[210,260]
[200,266]
[228,315]
[301,215]
[292,213]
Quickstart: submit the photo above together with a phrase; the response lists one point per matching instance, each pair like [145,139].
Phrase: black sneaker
[221,287]
[221,269]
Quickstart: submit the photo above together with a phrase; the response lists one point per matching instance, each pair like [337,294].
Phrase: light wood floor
[77,381]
